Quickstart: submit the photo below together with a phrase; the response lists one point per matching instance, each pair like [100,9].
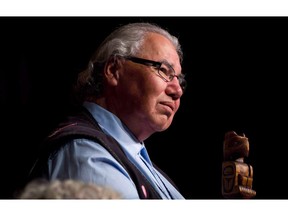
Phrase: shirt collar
[113,126]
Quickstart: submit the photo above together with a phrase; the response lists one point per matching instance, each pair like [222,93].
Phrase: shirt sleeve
[88,161]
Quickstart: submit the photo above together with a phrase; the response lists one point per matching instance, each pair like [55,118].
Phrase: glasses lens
[166,72]
[183,84]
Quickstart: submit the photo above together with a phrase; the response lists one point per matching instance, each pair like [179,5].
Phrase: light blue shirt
[88,161]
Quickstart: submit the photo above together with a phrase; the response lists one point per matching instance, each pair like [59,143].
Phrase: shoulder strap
[84,125]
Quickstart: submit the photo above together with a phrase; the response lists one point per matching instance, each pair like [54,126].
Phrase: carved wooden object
[237,176]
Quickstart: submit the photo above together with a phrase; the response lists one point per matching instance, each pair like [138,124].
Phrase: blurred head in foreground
[66,189]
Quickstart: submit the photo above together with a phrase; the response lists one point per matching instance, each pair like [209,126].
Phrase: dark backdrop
[235,70]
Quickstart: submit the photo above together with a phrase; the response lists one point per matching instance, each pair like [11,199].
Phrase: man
[130,90]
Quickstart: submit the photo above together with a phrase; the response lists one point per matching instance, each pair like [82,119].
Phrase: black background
[236,71]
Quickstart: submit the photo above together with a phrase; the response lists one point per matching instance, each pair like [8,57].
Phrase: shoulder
[83,147]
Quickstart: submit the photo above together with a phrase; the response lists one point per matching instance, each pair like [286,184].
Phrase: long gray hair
[124,41]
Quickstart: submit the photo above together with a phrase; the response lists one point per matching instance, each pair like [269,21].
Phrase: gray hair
[124,41]
[66,189]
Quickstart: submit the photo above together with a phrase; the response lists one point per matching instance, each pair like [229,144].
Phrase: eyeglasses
[164,69]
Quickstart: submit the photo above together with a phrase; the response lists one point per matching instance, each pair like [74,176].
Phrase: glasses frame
[157,65]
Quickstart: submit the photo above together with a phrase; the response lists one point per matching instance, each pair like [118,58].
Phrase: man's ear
[111,70]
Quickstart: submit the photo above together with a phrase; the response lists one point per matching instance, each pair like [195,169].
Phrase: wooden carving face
[235,146]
